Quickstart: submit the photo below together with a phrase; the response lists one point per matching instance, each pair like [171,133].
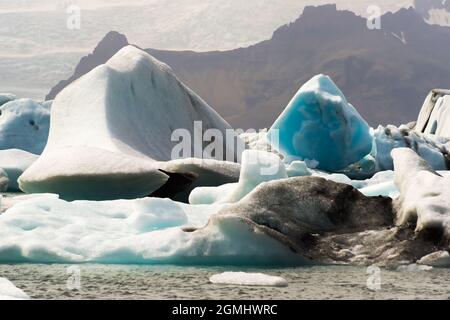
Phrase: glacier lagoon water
[42,281]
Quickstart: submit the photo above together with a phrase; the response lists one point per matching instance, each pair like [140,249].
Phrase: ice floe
[248,279]
[48,229]
[24,124]
[436,259]
[14,162]
[424,195]
[8,291]
[319,124]
[257,167]
[109,127]
[6,97]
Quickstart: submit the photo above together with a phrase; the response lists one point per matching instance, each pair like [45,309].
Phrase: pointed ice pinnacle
[319,124]
[110,128]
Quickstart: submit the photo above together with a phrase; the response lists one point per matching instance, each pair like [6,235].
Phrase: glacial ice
[6,97]
[424,194]
[24,124]
[429,147]
[46,229]
[14,162]
[8,291]
[248,279]
[4,181]
[190,173]
[434,117]
[257,167]
[111,125]
[436,259]
[319,124]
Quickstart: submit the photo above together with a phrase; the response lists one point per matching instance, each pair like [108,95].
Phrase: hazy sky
[40,50]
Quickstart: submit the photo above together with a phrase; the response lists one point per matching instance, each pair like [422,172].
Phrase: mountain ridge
[385,73]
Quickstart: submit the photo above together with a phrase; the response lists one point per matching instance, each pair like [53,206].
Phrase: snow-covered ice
[6,97]
[14,162]
[319,124]
[434,117]
[8,291]
[424,194]
[257,167]
[248,279]
[109,127]
[24,124]
[436,259]
[47,229]
[432,148]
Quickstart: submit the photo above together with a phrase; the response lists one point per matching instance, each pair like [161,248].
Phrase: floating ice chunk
[434,117]
[24,124]
[210,195]
[45,229]
[6,97]
[436,259]
[8,291]
[4,180]
[320,124]
[147,218]
[92,174]
[413,268]
[118,118]
[385,189]
[431,148]
[257,167]
[298,169]
[425,195]
[14,162]
[248,279]
[187,174]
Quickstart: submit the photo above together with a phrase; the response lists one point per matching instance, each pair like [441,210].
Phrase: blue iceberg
[319,124]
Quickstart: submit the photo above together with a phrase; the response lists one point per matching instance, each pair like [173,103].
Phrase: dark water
[171,282]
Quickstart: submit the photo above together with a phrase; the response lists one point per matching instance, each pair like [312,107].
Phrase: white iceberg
[431,148]
[319,124]
[6,97]
[8,291]
[110,127]
[248,279]
[14,162]
[424,195]
[257,167]
[4,180]
[434,117]
[45,229]
[24,124]
[436,259]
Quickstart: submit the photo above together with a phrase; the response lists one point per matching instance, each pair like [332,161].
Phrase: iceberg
[14,162]
[4,181]
[319,124]
[8,291]
[436,259]
[248,279]
[46,229]
[424,196]
[24,124]
[432,148]
[434,117]
[187,174]
[112,128]
[6,97]
[257,167]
